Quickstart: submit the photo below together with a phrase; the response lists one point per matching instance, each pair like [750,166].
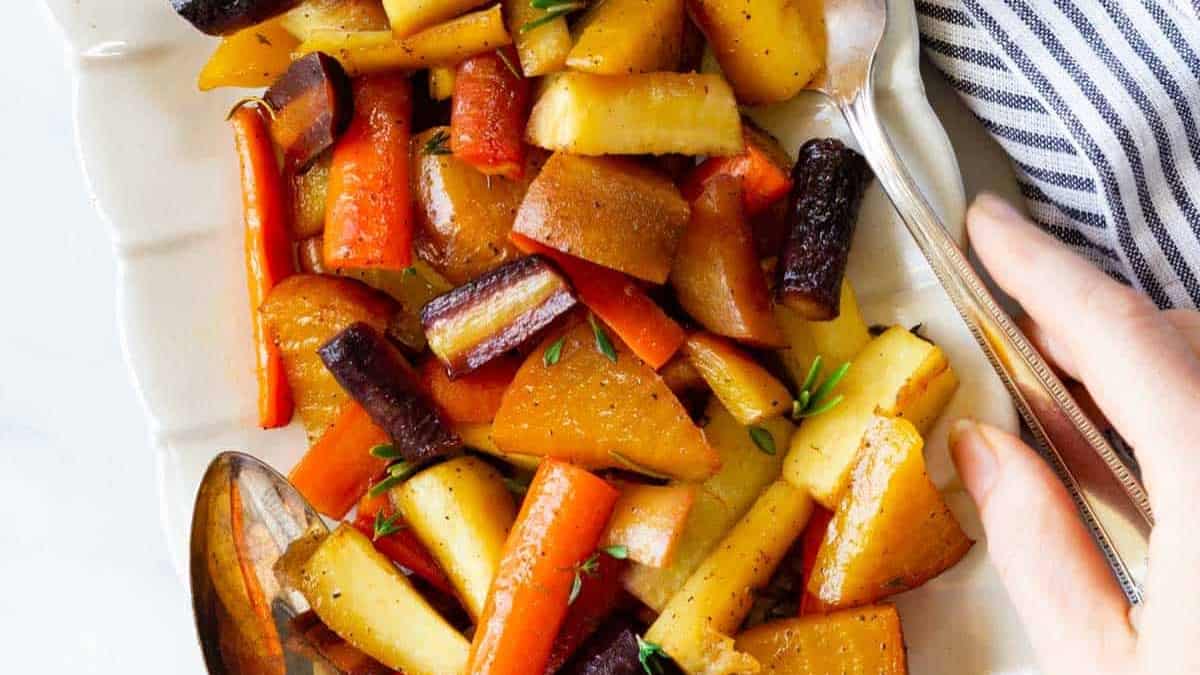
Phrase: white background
[86,585]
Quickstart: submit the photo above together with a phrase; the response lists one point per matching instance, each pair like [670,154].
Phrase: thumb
[1074,612]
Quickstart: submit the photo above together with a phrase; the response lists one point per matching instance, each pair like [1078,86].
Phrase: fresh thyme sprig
[554,9]
[438,144]
[812,402]
[386,526]
[602,342]
[591,567]
[763,439]
[398,472]
[553,352]
[649,654]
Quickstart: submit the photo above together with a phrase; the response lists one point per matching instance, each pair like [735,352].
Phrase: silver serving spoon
[1109,496]
[245,517]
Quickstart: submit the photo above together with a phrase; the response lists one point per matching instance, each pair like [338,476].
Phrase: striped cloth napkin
[1097,102]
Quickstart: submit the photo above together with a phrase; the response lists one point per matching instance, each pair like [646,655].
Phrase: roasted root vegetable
[253,57]
[309,191]
[769,49]
[720,501]
[762,169]
[221,17]
[651,113]
[892,531]
[308,636]
[374,373]
[268,257]
[578,403]
[412,288]
[829,182]
[560,522]
[716,274]
[363,597]
[338,469]
[542,40]
[463,217]
[810,543]
[410,16]
[445,44]
[613,650]
[897,374]
[619,302]
[303,313]
[863,641]
[600,595]
[496,312]
[368,217]
[681,376]
[746,389]
[473,398]
[608,43]
[347,15]
[377,518]
[441,82]
[461,510]
[609,211]
[479,437]
[311,106]
[695,626]
[648,520]
[487,119]
[835,341]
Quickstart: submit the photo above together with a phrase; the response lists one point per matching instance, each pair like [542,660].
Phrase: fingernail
[995,208]
[974,457]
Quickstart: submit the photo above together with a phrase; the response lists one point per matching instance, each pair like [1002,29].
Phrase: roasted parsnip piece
[745,388]
[609,43]
[374,373]
[863,641]
[542,43]
[892,531]
[311,106]
[651,113]
[348,15]
[829,182]
[409,16]
[648,520]
[496,312]
[836,341]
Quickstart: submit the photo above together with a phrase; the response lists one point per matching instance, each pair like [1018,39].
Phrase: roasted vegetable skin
[829,180]
[499,311]
[373,373]
[613,650]
[312,106]
[222,17]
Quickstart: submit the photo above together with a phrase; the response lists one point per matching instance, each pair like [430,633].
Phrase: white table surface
[87,583]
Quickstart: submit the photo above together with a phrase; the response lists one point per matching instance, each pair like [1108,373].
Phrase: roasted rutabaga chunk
[372,371]
[312,106]
[829,182]
[499,311]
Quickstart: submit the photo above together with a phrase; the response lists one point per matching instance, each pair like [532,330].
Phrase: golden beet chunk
[863,641]
[892,531]
[588,409]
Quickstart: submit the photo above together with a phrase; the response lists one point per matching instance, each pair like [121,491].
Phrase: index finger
[1139,369]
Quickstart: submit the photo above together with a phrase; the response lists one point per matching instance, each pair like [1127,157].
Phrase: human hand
[1140,366]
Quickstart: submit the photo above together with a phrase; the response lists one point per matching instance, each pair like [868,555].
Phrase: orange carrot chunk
[473,398]
[619,302]
[368,214]
[338,469]
[555,533]
[763,168]
[488,113]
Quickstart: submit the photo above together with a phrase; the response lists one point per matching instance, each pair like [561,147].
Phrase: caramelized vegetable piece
[463,216]
[612,651]
[613,212]
[402,546]
[487,121]
[694,626]
[830,180]
[253,57]
[441,82]
[810,541]
[473,398]
[479,437]
[304,311]
[542,47]
[896,374]
[499,311]
[864,641]
[413,288]
[442,45]
[348,15]
[368,218]
[338,469]
[588,409]
[314,639]
[375,375]
[681,376]
[363,597]
[893,531]
[557,529]
[409,16]
[836,341]
[599,596]
[312,105]
[716,275]
[221,17]
[461,510]
[769,49]
[609,43]
[309,191]
[619,302]
[648,521]
[745,388]
[651,113]
[762,168]
[720,501]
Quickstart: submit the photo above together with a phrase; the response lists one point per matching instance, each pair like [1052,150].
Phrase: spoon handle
[1109,496]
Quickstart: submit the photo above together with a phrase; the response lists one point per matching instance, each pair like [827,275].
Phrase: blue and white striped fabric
[1097,102]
